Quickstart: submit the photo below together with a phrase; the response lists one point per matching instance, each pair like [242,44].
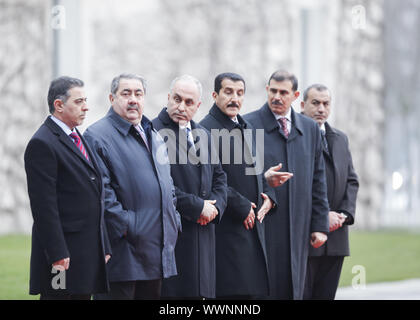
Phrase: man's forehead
[186,90]
[323,95]
[229,83]
[77,92]
[285,84]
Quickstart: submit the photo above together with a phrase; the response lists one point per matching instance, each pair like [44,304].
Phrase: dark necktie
[143,136]
[79,144]
[324,142]
[283,125]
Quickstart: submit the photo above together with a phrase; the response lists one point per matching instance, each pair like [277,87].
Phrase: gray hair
[116,81]
[187,78]
[317,87]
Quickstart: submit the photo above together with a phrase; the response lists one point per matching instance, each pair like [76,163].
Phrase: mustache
[132,107]
[277,103]
[233,104]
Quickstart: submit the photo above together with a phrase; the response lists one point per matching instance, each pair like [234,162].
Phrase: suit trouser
[133,290]
[322,277]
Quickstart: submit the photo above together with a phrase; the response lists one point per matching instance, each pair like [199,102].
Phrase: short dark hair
[59,89]
[316,86]
[116,81]
[282,75]
[227,75]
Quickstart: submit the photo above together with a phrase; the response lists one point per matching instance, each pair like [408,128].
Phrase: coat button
[203,193]
[92,178]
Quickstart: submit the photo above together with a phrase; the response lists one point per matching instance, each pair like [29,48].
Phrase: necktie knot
[75,137]
[324,142]
[190,139]
[79,144]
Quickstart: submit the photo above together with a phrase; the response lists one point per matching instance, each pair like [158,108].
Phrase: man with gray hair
[201,192]
[140,212]
[325,263]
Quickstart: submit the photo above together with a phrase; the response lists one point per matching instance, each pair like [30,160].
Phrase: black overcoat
[342,183]
[240,254]
[194,182]
[67,199]
[302,201]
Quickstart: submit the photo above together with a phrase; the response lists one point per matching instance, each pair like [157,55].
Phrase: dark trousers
[322,277]
[133,290]
[65,297]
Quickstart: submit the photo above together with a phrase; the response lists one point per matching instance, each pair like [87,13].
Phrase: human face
[317,105]
[230,97]
[280,96]
[73,111]
[183,102]
[128,101]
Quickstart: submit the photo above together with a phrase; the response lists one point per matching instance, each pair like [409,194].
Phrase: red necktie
[79,144]
[283,123]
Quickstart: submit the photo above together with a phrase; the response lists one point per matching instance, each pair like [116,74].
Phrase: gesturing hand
[249,221]
[275,178]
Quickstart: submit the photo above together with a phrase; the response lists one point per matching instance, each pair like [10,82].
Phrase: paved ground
[400,290]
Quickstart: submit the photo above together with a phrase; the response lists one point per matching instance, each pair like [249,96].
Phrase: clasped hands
[209,212]
[249,221]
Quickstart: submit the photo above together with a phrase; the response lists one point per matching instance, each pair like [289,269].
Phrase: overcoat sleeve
[41,170]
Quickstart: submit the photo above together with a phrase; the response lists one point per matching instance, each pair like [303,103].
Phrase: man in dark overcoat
[201,191]
[325,263]
[70,244]
[301,217]
[140,213]
[241,263]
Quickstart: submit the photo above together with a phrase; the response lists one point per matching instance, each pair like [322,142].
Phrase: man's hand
[318,239]
[275,178]
[267,205]
[249,221]
[62,265]
[209,212]
[336,220]
[107,257]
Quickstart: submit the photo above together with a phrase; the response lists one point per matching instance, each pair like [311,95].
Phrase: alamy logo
[59,280]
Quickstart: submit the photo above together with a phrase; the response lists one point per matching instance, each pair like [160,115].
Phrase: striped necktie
[143,136]
[79,144]
[325,142]
[190,139]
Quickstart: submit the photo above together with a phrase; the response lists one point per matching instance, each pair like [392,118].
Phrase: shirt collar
[322,127]
[62,125]
[288,115]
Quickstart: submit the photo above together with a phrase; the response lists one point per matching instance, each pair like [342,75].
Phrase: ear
[58,105]
[169,96]
[111,98]
[198,105]
[302,106]
[214,95]
[296,95]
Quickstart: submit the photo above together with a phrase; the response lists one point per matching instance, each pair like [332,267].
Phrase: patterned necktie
[143,136]
[79,144]
[283,124]
[190,139]
[324,142]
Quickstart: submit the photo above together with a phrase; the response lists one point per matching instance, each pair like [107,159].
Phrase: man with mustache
[241,265]
[140,212]
[301,218]
[324,264]
[201,191]
[66,195]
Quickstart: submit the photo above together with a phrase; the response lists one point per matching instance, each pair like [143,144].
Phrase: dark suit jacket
[342,185]
[140,201]
[66,196]
[240,253]
[302,201]
[196,246]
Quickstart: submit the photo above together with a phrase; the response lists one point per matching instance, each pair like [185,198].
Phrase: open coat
[140,199]
[67,198]
[240,254]
[194,182]
[302,201]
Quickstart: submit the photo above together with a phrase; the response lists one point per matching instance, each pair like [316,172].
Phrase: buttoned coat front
[140,200]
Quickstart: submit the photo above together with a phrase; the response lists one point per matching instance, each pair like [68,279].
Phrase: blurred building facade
[354,47]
